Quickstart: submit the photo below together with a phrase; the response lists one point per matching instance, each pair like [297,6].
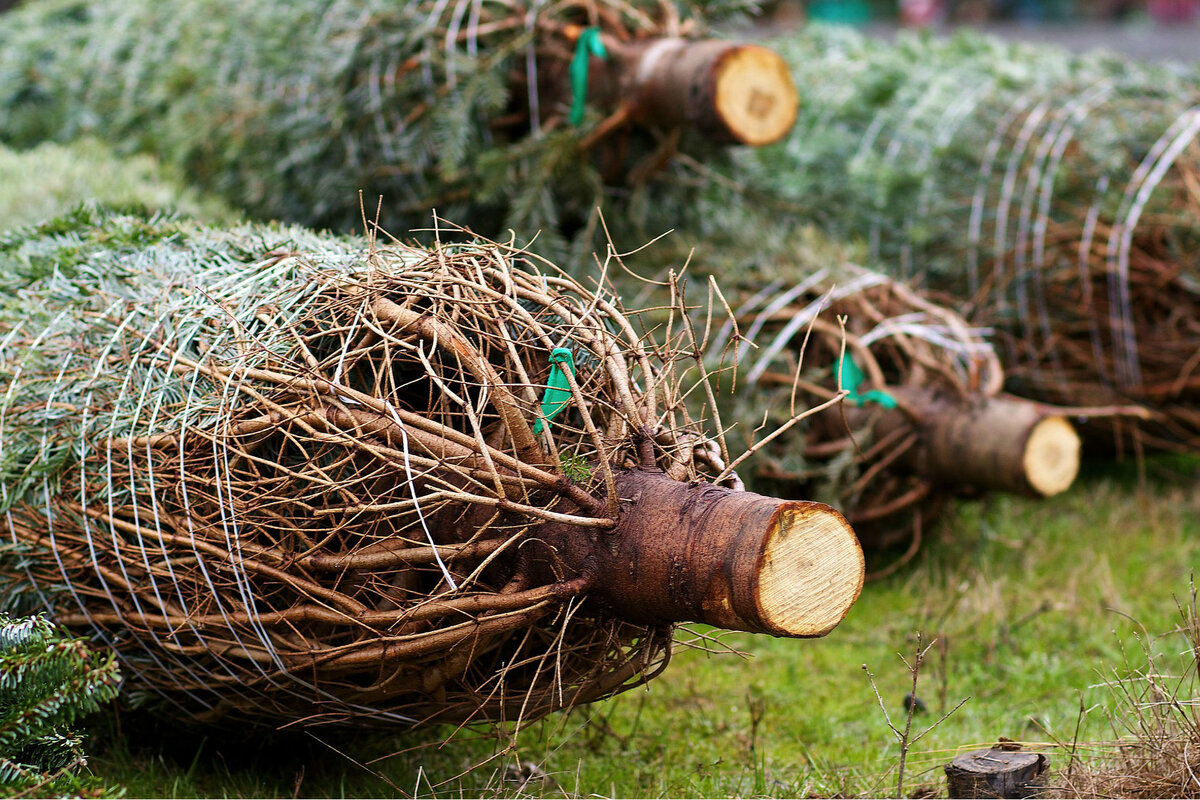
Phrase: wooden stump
[997,773]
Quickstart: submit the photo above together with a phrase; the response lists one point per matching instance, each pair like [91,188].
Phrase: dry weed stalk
[905,738]
[1156,720]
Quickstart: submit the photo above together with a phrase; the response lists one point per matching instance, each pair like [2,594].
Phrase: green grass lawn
[1031,607]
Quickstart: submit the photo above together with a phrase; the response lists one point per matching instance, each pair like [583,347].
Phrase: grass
[1033,606]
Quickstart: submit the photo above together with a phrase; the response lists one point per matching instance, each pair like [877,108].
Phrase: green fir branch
[48,683]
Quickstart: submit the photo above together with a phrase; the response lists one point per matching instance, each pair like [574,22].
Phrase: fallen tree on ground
[922,413]
[923,417]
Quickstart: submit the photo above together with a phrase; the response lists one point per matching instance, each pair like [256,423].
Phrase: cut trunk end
[811,570]
[731,92]
[701,553]
[1052,456]
[754,97]
[991,443]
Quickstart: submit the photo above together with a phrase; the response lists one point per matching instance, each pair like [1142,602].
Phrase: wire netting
[794,303]
[790,342]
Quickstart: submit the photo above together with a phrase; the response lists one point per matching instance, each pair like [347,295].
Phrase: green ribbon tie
[852,378]
[558,390]
[589,44]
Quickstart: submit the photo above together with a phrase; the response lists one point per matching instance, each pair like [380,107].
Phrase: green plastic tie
[558,390]
[589,44]
[852,377]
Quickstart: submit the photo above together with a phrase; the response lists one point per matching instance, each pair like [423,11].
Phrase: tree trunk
[992,443]
[731,92]
[702,553]
[997,773]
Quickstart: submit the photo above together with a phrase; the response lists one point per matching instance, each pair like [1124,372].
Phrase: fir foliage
[59,280]
[941,154]
[48,682]
[287,109]
[48,180]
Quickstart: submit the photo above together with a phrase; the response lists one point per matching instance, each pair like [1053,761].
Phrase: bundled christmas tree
[41,183]
[1056,197]
[499,115]
[922,415]
[292,477]
[48,681]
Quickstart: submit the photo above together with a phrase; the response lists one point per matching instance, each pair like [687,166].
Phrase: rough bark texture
[997,773]
[702,553]
[990,443]
[731,92]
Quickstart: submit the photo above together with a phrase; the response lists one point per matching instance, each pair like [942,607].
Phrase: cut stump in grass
[997,773]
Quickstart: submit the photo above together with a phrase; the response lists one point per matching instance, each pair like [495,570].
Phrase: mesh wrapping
[789,343]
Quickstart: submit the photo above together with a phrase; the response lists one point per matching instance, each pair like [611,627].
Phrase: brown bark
[997,773]
[731,92]
[992,443]
[702,553]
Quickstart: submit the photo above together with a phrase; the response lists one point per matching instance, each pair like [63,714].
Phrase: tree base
[695,552]
[990,443]
[732,92]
